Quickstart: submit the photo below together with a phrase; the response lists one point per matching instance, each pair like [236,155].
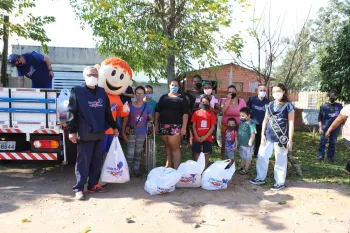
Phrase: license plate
[9,145]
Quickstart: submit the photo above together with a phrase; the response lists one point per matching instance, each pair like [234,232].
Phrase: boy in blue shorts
[246,137]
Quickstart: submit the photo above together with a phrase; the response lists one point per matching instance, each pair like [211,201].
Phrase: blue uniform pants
[89,163]
[332,141]
[48,86]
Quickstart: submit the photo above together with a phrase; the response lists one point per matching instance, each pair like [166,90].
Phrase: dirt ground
[41,193]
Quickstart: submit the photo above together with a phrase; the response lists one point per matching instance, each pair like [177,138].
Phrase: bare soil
[41,193]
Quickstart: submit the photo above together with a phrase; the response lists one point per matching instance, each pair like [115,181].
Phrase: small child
[246,137]
[231,139]
[204,121]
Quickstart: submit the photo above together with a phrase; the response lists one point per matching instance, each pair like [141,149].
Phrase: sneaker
[137,173]
[103,184]
[79,195]
[96,189]
[277,187]
[319,158]
[330,160]
[257,181]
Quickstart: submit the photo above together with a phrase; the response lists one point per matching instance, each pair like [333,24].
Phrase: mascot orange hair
[115,76]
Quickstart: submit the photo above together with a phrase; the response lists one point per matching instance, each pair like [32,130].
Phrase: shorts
[107,142]
[207,147]
[230,155]
[246,152]
[170,129]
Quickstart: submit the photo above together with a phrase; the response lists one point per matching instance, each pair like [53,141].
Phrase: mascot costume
[114,76]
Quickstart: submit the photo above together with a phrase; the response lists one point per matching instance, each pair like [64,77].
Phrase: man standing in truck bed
[34,66]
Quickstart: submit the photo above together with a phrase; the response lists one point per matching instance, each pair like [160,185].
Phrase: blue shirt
[135,114]
[36,70]
[328,113]
[153,105]
[281,116]
[257,108]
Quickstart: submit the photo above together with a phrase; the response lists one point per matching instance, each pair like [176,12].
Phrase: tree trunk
[170,67]
[295,164]
[5,52]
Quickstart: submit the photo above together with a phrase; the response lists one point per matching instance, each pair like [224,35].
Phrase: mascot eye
[121,76]
[113,72]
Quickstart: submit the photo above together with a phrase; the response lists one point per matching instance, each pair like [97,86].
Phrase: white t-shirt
[213,100]
[346,129]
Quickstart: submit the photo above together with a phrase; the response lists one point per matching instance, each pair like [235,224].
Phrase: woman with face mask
[135,130]
[230,109]
[171,121]
[276,136]
[258,110]
[327,115]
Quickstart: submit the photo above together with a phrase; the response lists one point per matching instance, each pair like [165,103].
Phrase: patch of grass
[303,150]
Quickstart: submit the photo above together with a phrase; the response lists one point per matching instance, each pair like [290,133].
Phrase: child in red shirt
[204,122]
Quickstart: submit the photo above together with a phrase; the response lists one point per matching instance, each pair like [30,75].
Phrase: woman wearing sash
[277,136]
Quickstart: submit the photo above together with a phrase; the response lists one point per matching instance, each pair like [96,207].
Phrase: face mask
[231,128]
[332,100]
[262,94]
[90,81]
[277,95]
[243,119]
[198,85]
[204,106]
[149,96]
[174,89]
[233,95]
[208,91]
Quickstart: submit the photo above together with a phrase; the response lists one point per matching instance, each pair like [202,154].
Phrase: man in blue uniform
[257,105]
[328,113]
[88,111]
[34,66]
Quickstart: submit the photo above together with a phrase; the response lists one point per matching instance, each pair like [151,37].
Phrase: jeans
[257,139]
[347,145]
[332,141]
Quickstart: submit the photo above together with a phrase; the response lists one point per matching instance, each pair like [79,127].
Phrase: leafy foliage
[159,37]
[335,65]
[31,27]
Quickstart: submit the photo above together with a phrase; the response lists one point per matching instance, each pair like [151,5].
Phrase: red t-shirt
[204,120]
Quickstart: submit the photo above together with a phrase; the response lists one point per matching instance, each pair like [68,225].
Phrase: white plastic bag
[62,103]
[216,176]
[191,173]
[162,180]
[115,169]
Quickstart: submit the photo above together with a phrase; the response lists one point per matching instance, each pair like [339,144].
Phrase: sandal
[243,172]
[240,169]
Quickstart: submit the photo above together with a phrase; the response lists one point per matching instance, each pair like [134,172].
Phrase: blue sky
[66,32]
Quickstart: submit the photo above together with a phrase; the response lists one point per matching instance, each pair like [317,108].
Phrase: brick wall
[222,75]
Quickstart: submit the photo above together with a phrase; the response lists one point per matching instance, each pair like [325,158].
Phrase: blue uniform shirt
[328,113]
[281,116]
[257,108]
[36,70]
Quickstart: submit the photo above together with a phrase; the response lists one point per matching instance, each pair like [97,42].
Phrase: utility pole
[5,51]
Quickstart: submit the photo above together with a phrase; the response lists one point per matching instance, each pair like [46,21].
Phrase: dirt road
[42,194]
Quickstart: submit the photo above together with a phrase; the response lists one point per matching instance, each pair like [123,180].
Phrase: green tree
[31,27]
[335,65]
[159,37]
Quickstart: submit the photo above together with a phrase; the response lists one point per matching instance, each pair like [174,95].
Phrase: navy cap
[12,59]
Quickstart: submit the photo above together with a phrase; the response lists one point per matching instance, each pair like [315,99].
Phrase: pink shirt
[346,128]
[232,112]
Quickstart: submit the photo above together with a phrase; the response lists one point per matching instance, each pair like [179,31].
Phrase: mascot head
[114,75]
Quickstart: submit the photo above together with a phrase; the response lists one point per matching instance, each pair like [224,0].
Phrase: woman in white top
[214,103]
[343,117]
